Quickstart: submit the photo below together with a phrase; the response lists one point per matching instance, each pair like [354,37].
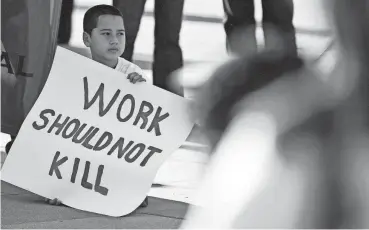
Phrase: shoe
[144,203]
[8,146]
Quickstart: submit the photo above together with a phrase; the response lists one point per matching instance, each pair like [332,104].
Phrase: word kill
[145,110]
[54,168]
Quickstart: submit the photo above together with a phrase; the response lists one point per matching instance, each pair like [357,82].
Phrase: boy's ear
[86,39]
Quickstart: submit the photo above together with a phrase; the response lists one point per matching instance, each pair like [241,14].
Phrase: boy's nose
[114,40]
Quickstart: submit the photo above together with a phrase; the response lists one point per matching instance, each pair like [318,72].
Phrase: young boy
[104,34]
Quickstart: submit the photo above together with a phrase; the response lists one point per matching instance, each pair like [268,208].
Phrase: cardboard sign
[93,139]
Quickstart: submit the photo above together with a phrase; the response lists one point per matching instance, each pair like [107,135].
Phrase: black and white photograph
[184,114]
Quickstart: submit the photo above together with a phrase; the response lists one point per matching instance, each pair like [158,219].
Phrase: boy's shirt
[127,67]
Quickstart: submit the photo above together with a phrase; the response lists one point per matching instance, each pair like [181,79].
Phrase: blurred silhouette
[292,150]
[240,26]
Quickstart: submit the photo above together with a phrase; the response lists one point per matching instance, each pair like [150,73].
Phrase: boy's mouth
[113,50]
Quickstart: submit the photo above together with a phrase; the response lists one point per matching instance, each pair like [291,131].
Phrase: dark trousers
[279,32]
[168,21]
[65,25]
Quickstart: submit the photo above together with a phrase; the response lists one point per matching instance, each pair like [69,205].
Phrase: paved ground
[173,190]
[21,209]
[202,41]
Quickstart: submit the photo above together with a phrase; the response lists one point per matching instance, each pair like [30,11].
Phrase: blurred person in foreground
[292,150]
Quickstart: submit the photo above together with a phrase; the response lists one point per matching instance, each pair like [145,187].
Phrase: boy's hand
[135,77]
[53,201]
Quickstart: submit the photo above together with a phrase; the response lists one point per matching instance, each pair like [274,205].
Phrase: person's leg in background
[279,31]
[65,25]
[132,11]
[240,26]
[167,52]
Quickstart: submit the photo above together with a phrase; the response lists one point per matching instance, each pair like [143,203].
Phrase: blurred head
[235,80]
[104,33]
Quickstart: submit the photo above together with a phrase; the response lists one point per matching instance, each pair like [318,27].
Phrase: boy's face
[107,40]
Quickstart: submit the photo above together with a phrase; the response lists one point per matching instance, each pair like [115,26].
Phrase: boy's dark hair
[92,16]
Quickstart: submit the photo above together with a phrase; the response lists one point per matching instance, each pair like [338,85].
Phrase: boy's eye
[121,34]
[106,33]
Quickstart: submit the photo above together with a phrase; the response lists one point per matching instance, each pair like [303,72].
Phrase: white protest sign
[93,139]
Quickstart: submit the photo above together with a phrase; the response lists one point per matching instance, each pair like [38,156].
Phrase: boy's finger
[140,78]
[130,76]
[137,78]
